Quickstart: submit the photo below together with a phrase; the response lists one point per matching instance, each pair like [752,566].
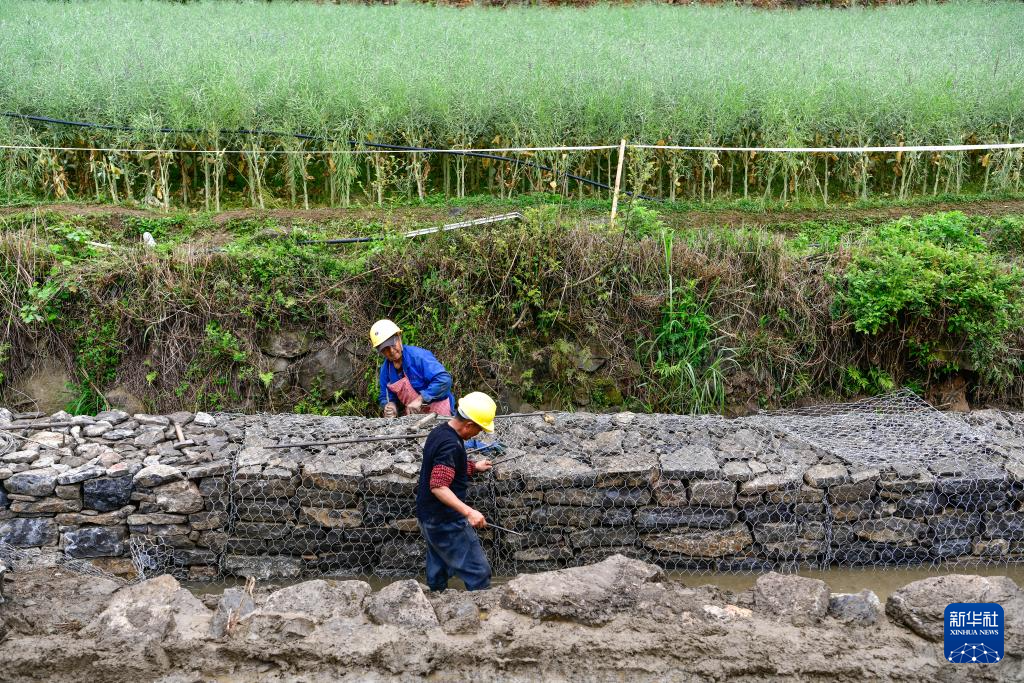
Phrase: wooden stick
[618,181]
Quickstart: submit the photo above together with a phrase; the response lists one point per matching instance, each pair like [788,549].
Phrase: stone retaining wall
[688,493]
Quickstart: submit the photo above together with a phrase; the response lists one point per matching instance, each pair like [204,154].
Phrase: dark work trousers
[453,549]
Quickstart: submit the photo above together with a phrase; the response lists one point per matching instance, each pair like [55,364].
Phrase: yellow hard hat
[479,408]
[381,331]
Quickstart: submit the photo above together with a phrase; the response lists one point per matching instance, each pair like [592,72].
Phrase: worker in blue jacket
[412,380]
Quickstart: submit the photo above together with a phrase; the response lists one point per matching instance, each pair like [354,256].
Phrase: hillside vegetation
[557,310]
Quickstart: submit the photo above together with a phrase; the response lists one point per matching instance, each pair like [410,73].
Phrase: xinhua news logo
[974,633]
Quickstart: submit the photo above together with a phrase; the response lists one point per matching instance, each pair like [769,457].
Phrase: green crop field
[445,77]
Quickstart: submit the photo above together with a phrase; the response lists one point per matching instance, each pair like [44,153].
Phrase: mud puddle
[883,581]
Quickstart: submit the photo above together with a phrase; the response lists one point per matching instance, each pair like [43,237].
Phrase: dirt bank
[399,216]
[617,619]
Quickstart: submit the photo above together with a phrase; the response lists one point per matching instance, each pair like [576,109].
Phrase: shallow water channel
[882,580]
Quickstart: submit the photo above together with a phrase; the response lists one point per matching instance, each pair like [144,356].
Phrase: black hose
[352,143]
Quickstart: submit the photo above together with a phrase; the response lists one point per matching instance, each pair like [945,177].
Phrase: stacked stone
[696,494]
[86,484]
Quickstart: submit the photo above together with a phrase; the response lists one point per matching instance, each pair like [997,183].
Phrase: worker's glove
[391,410]
[415,406]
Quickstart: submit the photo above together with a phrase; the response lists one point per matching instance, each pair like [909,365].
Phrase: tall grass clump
[432,76]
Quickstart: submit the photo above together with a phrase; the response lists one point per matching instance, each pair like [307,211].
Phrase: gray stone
[69,493]
[21,457]
[114,417]
[625,497]
[152,420]
[98,429]
[821,476]
[402,604]
[115,518]
[713,492]
[601,536]
[783,532]
[234,604]
[703,543]
[32,482]
[80,474]
[855,609]
[155,475]
[690,463]
[154,611]
[590,595]
[107,494]
[457,616]
[896,530]
[949,467]
[852,492]
[921,605]
[179,497]
[1004,525]
[990,548]
[51,440]
[212,469]
[204,420]
[149,438]
[951,526]
[263,568]
[50,505]
[562,515]
[770,482]
[583,497]
[331,518]
[332,474]
[285,344]
[671,493]
[919,505]
[691,516]
[1015,472]
[609,442]
[332,370]
[204,521]
[859,476]
[797,599]
[948,548]
[29,532]
[156,518]
[180,418]
[737,470]
[95,541]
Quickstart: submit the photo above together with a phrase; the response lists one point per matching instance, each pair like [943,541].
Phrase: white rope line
[529,150]
[842,150]
[482,150]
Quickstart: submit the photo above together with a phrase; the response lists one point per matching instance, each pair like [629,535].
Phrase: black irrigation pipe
[353,143]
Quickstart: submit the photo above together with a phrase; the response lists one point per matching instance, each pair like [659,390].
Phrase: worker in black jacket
[446,522]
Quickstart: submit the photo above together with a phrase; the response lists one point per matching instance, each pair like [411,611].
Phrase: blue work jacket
[426,375]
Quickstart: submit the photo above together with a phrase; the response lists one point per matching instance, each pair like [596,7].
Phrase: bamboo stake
[618,181]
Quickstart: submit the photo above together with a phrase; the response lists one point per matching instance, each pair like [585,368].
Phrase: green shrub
[935,270]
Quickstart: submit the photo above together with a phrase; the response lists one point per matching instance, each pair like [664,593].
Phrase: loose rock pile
[687,493]
[582,623]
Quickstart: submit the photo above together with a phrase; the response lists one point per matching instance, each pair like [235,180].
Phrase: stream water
[882,580]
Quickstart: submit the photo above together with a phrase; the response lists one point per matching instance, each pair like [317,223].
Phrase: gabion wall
[888,481]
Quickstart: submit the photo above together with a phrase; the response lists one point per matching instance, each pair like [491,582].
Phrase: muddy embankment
[619,618]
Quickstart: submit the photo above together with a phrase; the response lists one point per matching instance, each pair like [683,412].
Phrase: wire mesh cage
[888,481]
